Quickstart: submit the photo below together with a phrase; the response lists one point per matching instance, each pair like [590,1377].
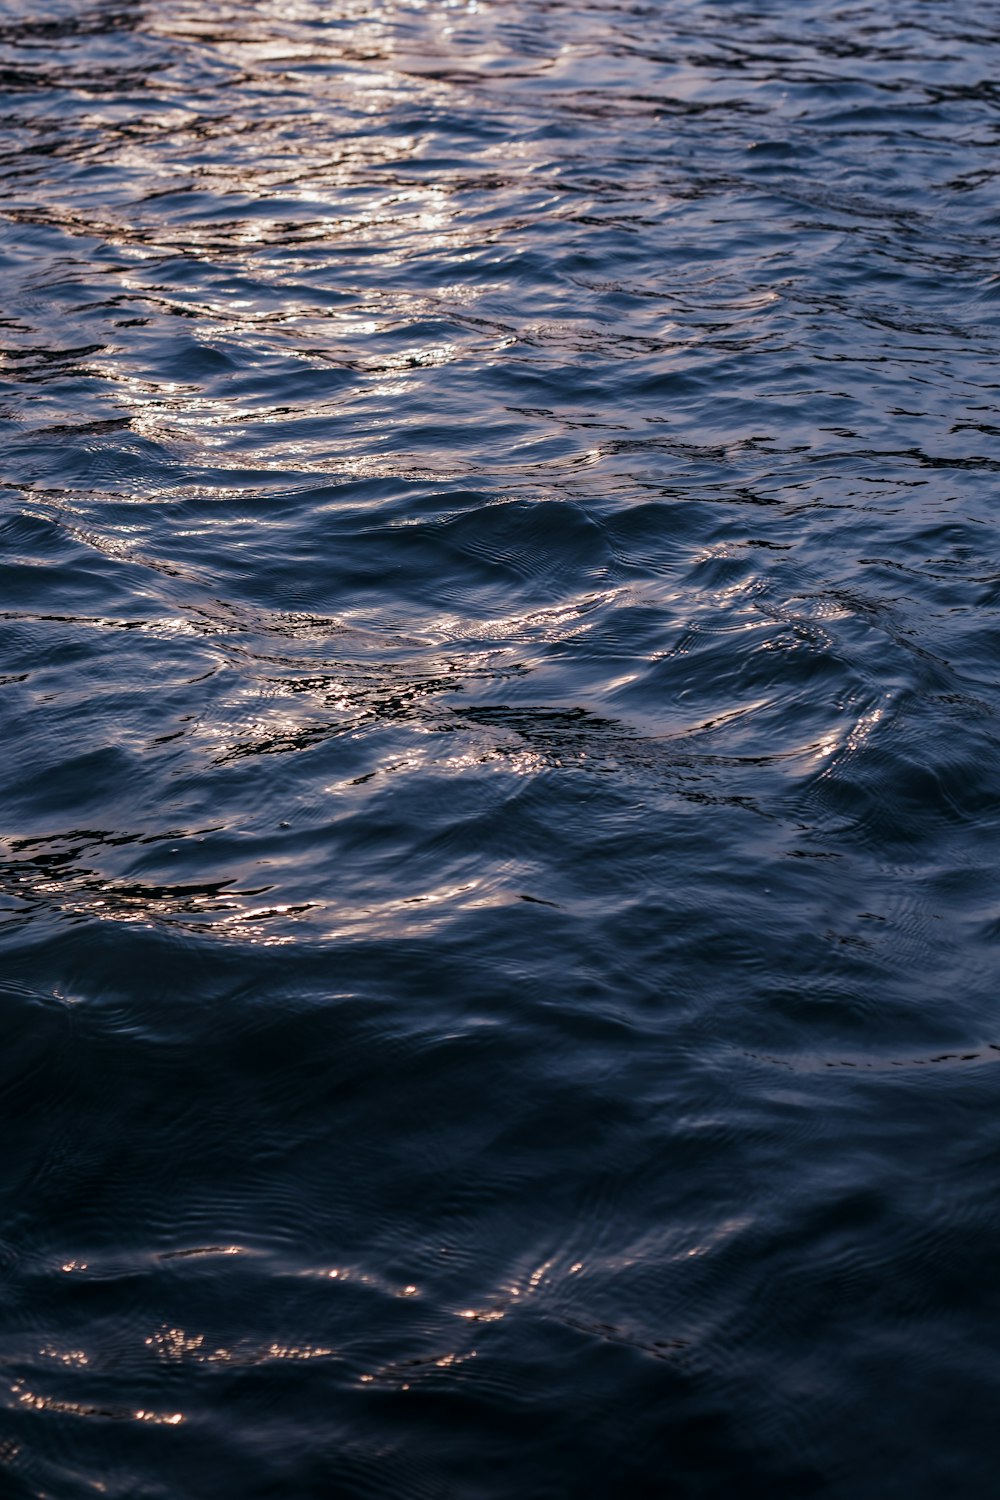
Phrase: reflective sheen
[500,616]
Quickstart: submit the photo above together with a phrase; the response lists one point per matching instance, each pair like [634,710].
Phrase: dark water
[500,638]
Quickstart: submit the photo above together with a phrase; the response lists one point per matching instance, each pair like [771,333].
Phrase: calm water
[500,632]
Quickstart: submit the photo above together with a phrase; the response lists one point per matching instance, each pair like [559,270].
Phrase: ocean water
[500,625]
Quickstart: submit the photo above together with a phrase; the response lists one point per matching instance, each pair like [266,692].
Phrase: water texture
[500,625]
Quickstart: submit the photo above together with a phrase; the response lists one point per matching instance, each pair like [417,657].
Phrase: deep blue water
[500,624]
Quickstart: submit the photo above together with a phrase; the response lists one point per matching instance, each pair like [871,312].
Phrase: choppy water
[500,635]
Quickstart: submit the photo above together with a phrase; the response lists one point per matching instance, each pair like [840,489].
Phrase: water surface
[500,622]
